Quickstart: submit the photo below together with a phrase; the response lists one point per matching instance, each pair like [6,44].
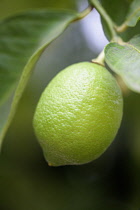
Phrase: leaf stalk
[100,59]
[106,17]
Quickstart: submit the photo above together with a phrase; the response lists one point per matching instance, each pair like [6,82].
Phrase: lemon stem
[100,59]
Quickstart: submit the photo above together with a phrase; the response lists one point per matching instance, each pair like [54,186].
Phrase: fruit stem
[100,59]
[106,17]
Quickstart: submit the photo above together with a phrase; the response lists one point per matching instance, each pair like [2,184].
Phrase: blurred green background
[111,182]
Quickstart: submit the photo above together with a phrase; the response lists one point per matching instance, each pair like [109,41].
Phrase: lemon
[78,114]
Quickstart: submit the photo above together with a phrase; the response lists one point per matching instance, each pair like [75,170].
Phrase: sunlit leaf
[23,38]
[124,59]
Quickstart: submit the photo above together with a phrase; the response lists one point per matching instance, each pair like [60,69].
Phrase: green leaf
[135,42]
[20,5]
[124,59]
[133,14]
[23,38]
[118,11]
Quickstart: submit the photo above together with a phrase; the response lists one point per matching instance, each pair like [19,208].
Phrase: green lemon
[78,114]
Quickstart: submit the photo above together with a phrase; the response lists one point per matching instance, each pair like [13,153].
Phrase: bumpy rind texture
[78,114]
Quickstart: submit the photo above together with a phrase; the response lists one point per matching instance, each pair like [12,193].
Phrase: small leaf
[124,59]
[22,40]
[134,14]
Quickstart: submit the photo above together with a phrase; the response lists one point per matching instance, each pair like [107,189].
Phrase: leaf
[22,40]
[20,5]
[124,59]
[133,14]
[135,42]
[118,11]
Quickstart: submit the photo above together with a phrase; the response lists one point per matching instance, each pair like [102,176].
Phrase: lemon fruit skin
[78,114]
